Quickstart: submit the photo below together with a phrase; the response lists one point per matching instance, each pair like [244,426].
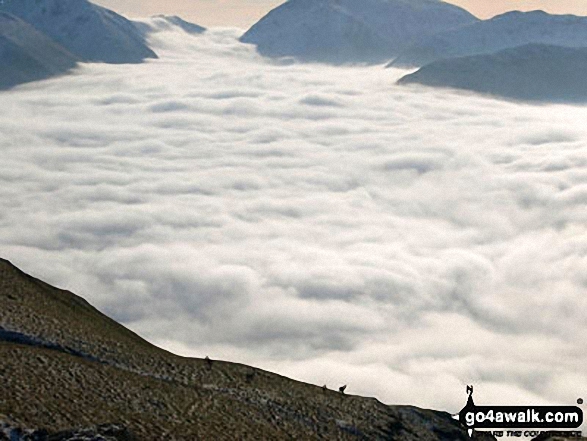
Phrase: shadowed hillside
[533,72]
[66,366]
[27,55]
[88,31]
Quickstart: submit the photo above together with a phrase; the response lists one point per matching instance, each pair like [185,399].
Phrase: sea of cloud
[317,221]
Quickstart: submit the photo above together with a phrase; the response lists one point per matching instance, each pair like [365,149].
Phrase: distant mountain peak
[512,29]
[349,31]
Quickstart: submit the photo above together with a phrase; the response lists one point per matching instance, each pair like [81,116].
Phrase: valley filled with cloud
[318,221]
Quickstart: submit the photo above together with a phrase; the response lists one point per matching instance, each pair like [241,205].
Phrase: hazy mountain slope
[531,72]
[341,31]
[164,22]
[502,32]
[66,365]
[27,55]
[89,31]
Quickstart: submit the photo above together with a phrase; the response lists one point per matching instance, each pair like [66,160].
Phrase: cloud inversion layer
[319,221]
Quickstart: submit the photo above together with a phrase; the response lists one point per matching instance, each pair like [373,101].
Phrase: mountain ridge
[508,30]
[158,23]
[533,72]
[90,32]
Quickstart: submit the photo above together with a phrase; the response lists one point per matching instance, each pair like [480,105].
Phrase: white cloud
[320,221]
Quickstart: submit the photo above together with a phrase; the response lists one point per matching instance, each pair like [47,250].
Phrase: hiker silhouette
[470,399]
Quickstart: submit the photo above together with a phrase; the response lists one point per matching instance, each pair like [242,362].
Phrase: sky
[317,221]
[244,13]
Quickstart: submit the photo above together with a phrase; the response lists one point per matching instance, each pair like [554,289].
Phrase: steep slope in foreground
[27,55]
[533,72]
[505,31]
[348,31]
[89,31]
[63,364]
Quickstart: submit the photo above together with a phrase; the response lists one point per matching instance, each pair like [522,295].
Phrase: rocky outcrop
[105,432]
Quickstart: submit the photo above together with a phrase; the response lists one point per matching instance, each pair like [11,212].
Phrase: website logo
[518,417]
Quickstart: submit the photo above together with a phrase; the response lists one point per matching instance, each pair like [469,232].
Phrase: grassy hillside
[65,365]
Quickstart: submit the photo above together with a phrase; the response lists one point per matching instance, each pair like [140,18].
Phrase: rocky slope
[531,72]
[27,55]
[65,365]
[349,31]
[502,32]
[106,432]
[90,32]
